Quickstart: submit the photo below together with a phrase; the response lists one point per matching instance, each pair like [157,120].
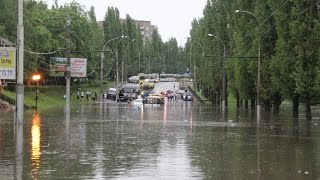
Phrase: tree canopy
[287,32]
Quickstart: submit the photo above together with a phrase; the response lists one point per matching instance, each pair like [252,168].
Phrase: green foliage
[45,31]
[51,96]
[8,19]
[287,32]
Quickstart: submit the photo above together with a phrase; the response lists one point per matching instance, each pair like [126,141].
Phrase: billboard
[58,66]
[78,67]
[7,63]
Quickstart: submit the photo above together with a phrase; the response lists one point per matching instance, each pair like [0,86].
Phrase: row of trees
[45,32]
[288,33]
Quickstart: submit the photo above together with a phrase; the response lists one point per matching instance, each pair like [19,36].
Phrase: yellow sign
[7,63]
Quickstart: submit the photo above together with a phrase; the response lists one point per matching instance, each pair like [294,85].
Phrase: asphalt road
[165,86]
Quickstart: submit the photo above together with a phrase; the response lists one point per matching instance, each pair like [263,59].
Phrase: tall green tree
[156,50]
[133,46]
[305,30]
[8,19]
[113,29]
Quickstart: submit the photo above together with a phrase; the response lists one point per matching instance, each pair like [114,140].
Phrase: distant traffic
[152,89]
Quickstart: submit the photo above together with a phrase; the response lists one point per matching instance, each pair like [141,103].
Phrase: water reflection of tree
[275,151]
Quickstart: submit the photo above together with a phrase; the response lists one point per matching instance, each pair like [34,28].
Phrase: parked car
[129,91]
[112,93]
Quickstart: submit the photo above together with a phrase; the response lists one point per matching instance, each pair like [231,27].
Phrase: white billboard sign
[78,67]
[7,63]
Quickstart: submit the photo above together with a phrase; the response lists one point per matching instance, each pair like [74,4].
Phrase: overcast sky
[172,17]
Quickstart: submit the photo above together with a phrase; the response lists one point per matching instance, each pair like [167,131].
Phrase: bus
[167,77]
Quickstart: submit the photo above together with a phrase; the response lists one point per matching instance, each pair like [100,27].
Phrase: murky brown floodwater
[178,140]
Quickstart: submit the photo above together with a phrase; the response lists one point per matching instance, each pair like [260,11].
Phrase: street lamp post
[259,65]
[194,63]
[122,63]
[117,64]
[224,76]
[36,78]
[101,65]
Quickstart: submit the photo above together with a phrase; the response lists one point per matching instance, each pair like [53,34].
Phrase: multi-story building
[145,28]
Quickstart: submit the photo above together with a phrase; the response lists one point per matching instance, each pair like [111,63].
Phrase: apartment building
[145,27]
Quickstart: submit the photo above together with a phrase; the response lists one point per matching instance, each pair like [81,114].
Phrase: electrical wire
[269,29]
[260,24]
[47,53]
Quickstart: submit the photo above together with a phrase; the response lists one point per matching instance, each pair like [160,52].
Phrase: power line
[38,53]
[264,32]
[260,24]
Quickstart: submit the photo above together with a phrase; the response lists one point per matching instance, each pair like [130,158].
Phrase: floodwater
[178,140]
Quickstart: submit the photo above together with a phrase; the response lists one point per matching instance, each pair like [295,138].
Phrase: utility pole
[101,75]
[224,78]
[259,84]
[190,56]
[122,69]
[68,73]
[139,63]
[117,64]
[20,86]
[18,124]
[259,68]
[101,65]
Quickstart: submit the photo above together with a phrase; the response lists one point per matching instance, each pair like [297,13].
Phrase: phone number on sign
[6,72]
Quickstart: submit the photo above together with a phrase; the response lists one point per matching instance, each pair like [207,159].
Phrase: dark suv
[112,93]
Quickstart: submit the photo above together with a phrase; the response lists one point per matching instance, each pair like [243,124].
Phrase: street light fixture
[117,64]
[194,64]
[101,64]
[259,64]
[36,78]
[224,77]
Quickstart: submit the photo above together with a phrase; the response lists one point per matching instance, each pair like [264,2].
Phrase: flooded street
[177,140]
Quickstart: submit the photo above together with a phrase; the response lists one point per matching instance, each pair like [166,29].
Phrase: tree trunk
[253,103]
[238,102]
[267,105]
[217,98]
[246,104]
[295,105]
[277,102]
[308,107]
[238,99]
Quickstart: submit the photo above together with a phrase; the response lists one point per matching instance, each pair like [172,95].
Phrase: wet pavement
[178,140]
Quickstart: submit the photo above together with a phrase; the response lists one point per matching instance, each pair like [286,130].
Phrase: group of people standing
[81,95]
